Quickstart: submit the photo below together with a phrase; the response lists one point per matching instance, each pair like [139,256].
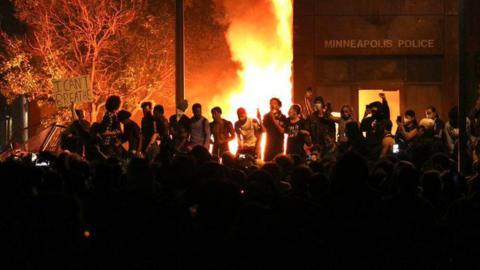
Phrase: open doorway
[367,96]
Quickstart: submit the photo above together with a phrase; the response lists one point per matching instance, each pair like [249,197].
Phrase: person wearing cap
[180,127]
[131,133]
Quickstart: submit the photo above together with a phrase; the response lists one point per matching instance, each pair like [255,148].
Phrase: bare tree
[95,37]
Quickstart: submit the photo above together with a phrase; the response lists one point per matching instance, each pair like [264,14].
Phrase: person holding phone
[432,113]
[274,125]
[407,129]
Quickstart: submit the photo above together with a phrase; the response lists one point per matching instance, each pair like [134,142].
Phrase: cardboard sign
[73,90]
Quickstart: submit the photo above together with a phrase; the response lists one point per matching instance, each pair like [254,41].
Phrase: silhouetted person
[148,126]
[76,135]
[166,149]
[431,113]
[319,124]
[161,122]
[179,125]
[131,133]
[93,145]
[388,141]
[452,131]
[373,123]
[110,127]
[426,144]
[274,124]
[407,130]
[355,141]
[200,128]
[474,118]
[346,116]
[353,207]
[222,132]
[308,107]
[296,131]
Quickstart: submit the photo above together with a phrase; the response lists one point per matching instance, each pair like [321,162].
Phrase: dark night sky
[8,22]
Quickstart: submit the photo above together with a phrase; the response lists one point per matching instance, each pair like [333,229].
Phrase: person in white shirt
[248,132]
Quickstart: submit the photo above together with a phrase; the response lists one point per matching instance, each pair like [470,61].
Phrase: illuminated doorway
[367,96]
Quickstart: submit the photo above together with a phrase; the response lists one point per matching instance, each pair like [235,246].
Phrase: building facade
[350,50]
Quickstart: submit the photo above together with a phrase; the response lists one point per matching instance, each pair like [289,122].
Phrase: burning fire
[260,39]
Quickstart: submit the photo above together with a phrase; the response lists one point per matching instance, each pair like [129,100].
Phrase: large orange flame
[260,39]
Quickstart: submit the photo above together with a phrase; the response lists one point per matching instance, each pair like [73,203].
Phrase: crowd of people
[342,195]
[311,131]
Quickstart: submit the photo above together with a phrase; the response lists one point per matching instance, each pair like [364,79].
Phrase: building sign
[379,43]
[73,90]
[384,35]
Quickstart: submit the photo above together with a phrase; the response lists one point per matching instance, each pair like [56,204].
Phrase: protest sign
[73,90]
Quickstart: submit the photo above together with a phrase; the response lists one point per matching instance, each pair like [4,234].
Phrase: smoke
[252,18]
[218,53]
[209,69]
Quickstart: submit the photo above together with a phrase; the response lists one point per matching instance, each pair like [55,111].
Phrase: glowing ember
[261,40]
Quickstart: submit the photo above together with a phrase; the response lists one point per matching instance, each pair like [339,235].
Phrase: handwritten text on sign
[68,91]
